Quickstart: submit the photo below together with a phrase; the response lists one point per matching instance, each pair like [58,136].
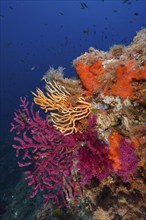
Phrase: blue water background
[38,34]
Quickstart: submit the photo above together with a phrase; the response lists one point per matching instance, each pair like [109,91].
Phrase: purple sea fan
[47,153]
[129,160]
[93,158]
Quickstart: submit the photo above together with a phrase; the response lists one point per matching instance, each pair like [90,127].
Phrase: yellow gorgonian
[58,98]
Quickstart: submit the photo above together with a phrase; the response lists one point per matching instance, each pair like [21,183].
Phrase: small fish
[83,5]
[125,1]
[115,11]
[2,16]
[86,31]
[10,7]
[136,14]
[33,68]
[61,13]
[22,60]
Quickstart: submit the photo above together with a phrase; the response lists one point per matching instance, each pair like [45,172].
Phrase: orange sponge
[114,140]
[89,74]
[125,75]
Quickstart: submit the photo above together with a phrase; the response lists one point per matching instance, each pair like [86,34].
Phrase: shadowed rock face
[3,207]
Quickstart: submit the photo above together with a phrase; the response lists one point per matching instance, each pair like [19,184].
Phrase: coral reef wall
[93,132]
